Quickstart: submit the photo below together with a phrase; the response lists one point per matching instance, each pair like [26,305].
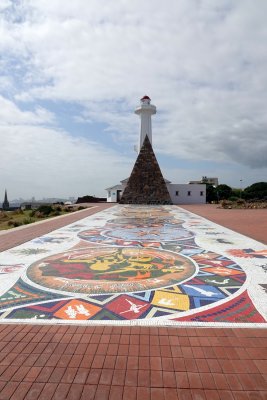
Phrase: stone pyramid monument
[146,184]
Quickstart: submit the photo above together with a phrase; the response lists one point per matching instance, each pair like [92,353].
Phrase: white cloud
[45,162]
[11,114]
[4,5]
[203,63]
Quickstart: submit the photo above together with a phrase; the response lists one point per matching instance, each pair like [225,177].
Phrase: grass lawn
[12,219]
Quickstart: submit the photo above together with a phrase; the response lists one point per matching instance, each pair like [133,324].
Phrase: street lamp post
[241,180]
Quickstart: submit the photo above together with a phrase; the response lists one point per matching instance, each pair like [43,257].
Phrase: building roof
[114,187]
[146,98]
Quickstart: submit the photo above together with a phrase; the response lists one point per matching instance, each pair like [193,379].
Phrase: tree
[256,191]
[210,193]
[236,193]
[223,192]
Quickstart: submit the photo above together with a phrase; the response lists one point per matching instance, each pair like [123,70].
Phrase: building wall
[180,193]
[112,193]
[182,197]
[112,196]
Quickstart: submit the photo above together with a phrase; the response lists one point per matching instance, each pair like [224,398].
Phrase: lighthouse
[145,110]
[146,184]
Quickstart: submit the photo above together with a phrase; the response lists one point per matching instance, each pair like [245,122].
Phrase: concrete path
[135,362]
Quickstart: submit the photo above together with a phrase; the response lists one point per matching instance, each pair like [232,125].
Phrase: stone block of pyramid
[146,184]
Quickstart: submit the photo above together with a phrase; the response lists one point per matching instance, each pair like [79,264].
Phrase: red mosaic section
[238,310]
[127,307]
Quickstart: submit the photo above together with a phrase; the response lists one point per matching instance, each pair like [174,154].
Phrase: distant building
[178,193]
[209,181]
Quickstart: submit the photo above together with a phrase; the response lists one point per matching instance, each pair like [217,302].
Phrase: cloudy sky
[72,72]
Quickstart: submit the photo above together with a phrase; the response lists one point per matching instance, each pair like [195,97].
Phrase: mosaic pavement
[139,265]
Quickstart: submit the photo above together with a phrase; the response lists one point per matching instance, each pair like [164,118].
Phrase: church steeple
[5,205]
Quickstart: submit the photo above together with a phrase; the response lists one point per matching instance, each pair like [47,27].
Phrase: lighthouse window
[177,193]
[201,194]
[189,193]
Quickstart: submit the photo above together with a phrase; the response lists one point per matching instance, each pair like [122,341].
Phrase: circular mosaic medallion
[160,233]
[111,270]
[141,222]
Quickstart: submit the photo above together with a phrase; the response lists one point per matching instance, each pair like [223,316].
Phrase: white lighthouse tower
[146,184]
[145,110]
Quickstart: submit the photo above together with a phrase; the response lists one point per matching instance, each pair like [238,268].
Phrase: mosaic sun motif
[164,232]
[111,270]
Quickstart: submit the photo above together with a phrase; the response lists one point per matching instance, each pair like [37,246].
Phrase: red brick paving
[232,364]
[63,362]
[252,223]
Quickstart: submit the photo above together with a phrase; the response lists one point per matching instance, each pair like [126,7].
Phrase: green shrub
[3,216]
[226,203]
[45,209]
[55,213]
[39,214]
[27,221]
[233,198]
[19,211]
[17,223]
[240,201]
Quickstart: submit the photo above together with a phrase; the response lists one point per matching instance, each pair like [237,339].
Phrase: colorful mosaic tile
[77,310]
[136,263]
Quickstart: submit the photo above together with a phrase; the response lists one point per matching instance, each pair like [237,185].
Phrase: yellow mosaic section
[172,300]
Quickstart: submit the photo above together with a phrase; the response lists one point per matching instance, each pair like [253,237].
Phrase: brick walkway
[252,223]
[61,362]
[110,362]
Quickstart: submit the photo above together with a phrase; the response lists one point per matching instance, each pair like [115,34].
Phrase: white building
[114,193]
[187,194]
[193,193]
